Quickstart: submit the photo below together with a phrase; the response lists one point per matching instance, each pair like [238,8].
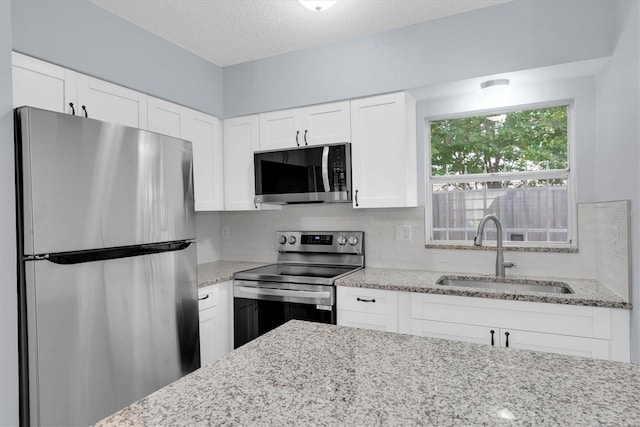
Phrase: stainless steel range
[300,285]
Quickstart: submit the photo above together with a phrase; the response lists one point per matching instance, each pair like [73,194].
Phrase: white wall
[517,35]
[8,289]
[618,135]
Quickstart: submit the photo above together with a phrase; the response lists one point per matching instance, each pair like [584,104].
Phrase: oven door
[259,307]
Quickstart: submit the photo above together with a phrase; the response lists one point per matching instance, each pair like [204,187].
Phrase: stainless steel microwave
[311,174]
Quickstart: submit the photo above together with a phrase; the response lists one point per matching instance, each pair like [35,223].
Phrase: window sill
[567,249]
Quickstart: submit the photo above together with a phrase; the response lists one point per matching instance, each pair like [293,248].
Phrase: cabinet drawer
[362,300]
[378,322]
[523,315]
[208,297]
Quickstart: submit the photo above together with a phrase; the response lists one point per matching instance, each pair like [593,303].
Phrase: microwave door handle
[325,169]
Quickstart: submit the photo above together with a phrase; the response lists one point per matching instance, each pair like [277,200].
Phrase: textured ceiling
[228,32]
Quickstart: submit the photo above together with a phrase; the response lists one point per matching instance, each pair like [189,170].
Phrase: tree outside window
[513,163]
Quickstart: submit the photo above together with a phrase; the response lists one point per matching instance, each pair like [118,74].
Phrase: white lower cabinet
[367,308]
[566,329]
[216,322]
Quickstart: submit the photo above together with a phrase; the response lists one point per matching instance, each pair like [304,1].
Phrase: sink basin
[506,284]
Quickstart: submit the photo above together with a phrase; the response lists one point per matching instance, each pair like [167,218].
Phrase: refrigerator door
[88,184]
[104,334]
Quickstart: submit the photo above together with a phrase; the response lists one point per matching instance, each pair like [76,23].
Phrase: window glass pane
[517,141]
[533,210]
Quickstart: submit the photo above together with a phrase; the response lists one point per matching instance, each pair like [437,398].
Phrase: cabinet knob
[492,333]
[506,334]
[297,133]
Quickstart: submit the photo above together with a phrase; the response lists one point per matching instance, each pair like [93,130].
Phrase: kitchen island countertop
[221,271]
[316,374]
[586,292]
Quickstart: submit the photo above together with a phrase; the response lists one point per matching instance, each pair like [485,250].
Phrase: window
[512,163]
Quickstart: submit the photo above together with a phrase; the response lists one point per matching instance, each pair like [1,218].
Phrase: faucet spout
[477,240]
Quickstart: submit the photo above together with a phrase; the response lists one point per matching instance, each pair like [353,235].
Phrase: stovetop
[311,257]
[296,273]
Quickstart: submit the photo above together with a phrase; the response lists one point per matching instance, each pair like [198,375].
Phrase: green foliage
[521,141]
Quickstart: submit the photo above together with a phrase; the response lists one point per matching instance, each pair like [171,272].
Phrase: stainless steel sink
[500,283]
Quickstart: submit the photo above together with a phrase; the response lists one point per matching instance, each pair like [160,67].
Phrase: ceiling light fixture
[495,90]
[317,5]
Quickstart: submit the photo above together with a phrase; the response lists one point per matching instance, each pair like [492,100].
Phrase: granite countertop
[316,374]
[586,292]
[221,271]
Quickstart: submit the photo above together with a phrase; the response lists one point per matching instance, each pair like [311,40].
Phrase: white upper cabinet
[317,124]
[383,151]
[280,129]
[40,84]
[326,123]
[166,118]
[111,103]
[240,141]
[205,133]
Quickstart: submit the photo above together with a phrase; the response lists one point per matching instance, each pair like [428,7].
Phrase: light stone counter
[310,374]
[586,292]
[221,271]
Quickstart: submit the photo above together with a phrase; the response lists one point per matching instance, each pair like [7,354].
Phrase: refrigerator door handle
[78,257]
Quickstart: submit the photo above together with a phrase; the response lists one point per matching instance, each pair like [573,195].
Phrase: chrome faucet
[477,240]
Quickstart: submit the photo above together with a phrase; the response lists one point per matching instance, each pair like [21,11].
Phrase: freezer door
[88,184]
[103,334]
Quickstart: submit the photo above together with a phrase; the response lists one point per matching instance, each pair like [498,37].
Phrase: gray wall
[77,34]
[618,134]
[514,36]
[8,296]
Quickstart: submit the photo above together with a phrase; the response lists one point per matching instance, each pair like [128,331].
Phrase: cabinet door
[166,118]
[240,141]
[377,322]
[326,123]
[111,103]
[456,331]
[552,343]
[384,151]
[40,84]
[205,132]
[208,322]
[281,129]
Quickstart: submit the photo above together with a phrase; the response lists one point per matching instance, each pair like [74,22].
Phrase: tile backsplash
[249,236]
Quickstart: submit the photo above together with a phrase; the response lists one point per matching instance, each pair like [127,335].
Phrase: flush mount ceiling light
[495,90]
[317,5]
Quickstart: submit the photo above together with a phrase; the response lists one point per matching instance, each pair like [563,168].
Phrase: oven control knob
[292,240]
[342,240]
[353,240]
[282,239]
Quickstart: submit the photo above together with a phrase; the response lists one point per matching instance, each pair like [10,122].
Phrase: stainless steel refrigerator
[107,279]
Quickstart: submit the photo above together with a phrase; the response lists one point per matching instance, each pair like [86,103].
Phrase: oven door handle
[283,292]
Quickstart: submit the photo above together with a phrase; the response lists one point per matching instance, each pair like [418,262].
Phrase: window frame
[569,173]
